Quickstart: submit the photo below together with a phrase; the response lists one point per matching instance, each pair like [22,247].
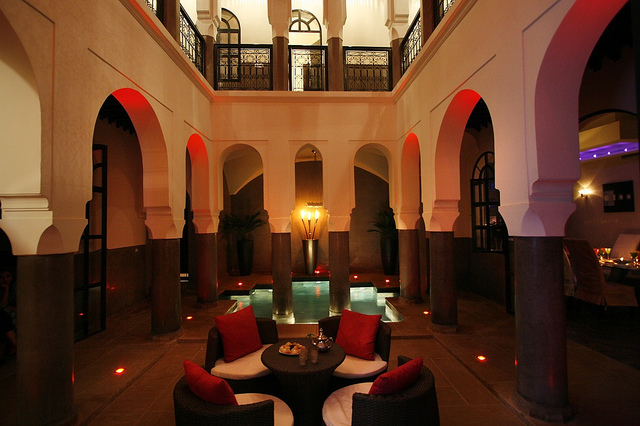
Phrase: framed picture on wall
[618,197]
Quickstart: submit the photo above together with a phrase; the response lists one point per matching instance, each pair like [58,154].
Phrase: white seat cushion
[356,368]
[249,366]
[281,412]
[337,410]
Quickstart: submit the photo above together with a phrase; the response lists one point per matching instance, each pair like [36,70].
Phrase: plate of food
[291,348]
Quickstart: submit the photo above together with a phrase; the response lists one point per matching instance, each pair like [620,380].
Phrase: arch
[240,163]
[447,160]
[556,95]
[20,117]
[229,31]
[200,188]
[26,215]
[155,163]
[410,202]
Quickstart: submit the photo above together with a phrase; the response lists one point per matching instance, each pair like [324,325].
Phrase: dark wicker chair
[268,334]
[190,410]
[416,405]
[330,326]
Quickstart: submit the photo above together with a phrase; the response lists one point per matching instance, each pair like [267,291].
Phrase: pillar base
[165,337]
[540,411]
[445,329]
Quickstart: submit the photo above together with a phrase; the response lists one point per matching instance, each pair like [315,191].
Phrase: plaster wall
[89,56]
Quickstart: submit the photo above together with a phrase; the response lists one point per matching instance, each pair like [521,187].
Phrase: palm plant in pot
[242,225]
[385,225]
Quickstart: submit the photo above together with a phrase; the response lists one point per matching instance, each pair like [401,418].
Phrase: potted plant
[242,225]
[385,225]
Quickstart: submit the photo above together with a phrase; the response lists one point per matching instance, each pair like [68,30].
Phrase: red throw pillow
[357,333]
[207,387]
[239,333]
[398,379]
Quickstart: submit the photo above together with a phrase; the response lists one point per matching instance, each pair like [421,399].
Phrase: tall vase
[310,250]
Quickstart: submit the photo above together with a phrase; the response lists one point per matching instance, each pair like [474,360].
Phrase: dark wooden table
[304,387]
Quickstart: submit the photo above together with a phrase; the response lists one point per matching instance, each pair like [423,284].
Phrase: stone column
[280,63]
[339,286]
[44,391]
[171,18]
[209,65]
[541,344]
[444,295]
[281,273]
[335,64]
[207,266]
[409,256]
[279,12]
[396,60]
[165,289]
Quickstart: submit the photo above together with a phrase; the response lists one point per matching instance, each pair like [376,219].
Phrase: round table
[304,387]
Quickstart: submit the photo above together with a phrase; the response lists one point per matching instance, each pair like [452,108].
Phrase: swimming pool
[311,301]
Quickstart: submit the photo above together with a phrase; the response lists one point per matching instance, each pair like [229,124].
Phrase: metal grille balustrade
[411,44]
[367,69]
[191,41]
[243,67]
[308,68]
[441,8]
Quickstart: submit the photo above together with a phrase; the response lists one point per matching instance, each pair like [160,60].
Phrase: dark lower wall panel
[481,273]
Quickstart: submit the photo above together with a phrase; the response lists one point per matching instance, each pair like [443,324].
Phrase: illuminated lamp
[189,317]
[481,358]
[119,370]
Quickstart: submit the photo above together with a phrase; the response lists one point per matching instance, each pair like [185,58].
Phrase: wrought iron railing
[243,67]
[441,7]
[308,68]
[156,7]
[191,41]
[367,69]
[411,44]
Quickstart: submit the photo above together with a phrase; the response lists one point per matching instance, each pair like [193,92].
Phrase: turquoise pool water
[311,301]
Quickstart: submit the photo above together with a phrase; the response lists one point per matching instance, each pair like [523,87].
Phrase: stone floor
[602,390]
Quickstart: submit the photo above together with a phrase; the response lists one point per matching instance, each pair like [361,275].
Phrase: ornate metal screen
[412,43]
[191,41]
[367,69]
[441,8]
[243,67]
[308,68]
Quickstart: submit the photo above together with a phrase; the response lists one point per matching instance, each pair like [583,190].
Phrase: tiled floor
[602,390]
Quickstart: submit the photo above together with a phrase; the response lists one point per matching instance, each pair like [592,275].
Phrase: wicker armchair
[416,405]
[330,326]
[268,335]
[190,410]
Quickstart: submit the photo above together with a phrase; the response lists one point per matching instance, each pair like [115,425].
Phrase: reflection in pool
[311,301]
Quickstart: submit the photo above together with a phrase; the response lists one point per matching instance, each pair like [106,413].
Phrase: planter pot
[245,256]
[310,251]
[389,255]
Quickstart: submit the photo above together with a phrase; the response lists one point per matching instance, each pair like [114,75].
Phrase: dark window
[489,232]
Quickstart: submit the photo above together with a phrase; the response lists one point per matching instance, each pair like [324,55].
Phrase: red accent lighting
[387,281]
[481,358]
[119,370]
[239,284]
[355,277]
[189,317]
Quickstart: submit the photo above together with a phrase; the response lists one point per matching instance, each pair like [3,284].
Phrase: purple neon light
[609,150]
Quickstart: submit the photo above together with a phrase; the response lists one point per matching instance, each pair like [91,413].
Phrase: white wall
[365,24]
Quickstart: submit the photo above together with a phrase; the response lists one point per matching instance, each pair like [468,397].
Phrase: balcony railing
[308,68]
[367,69]
[441,7]
[411,44]
[156,7]
[243,67]
[191,41]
